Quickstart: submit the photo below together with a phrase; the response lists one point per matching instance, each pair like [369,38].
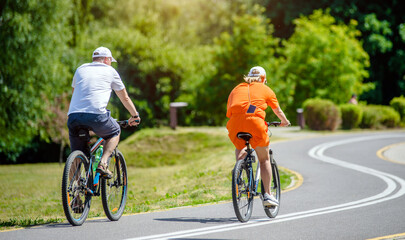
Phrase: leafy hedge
[351,115]
[321,114]
[376,116]
[398,104]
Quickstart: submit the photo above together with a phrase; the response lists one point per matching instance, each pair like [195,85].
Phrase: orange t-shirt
[240,120]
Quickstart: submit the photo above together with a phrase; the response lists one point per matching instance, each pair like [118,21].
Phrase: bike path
[302,212]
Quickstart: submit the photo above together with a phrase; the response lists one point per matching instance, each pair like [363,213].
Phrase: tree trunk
[62,146]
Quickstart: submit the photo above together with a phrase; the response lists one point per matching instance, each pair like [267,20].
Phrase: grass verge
[166,169]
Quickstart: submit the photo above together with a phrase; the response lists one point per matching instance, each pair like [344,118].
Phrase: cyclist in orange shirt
[246,112]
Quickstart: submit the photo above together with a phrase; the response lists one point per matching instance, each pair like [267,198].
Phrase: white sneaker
[269,201]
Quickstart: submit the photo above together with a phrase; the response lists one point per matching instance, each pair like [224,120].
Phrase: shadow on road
[200,220]
[68,225]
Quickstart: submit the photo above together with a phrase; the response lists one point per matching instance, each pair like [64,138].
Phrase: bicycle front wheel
[242,197]
[75,200]
[275,190]
[114,190]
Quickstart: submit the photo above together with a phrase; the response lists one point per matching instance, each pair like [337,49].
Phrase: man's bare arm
[129,105]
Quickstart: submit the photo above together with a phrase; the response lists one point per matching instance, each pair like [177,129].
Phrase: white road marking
[393,183]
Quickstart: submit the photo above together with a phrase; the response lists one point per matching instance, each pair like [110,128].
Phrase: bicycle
[81,182]
[245,182]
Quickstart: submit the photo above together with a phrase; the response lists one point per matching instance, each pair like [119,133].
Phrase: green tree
[381,24]
[250,43]
[324,59]
[155,72]
[33,37]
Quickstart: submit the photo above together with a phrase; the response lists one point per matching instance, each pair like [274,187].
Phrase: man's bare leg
[109,147]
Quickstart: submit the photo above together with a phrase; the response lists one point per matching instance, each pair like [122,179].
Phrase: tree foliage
[250,43]
[33,36]
[193,51]
[324,59]
[382,27]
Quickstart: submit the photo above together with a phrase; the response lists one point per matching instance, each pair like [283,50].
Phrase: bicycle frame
[245,184]
[96,145]
[250,159]
[95,190]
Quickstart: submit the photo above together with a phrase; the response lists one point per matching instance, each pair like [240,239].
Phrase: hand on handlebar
[134,121]
[285,123]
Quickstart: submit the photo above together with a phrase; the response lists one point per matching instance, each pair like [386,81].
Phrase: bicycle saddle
[244,135]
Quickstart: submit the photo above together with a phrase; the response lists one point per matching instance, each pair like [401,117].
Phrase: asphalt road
[348,192]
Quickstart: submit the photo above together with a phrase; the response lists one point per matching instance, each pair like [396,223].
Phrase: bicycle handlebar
[124,123]
[276,124]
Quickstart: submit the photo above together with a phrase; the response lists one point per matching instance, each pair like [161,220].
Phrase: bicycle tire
[242,198]
[114,190]
[74,188]
[272,212]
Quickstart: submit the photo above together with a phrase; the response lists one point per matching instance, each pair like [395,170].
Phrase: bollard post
[173,117]
[300,118]
[173,113]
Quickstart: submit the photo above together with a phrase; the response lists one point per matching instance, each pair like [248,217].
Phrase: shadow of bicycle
[200,220]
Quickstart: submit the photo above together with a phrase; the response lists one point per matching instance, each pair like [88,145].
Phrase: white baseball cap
[257,72]
[103,52]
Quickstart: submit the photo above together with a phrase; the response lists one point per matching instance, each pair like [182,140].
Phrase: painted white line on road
[393,182]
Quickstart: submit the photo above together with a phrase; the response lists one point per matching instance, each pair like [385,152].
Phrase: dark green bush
[376,116]
[398,104]
[321,114]
[351,115]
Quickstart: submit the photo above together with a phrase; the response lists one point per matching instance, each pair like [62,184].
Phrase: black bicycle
[245,182]
[81,182]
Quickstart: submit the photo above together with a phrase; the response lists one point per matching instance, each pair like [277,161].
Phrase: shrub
[376,116]
[398,104]
[351,115]
[321,114]
[370,117]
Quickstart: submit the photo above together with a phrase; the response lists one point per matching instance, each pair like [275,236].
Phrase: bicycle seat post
[245,136]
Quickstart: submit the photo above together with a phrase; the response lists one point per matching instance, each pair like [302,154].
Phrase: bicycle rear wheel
[275,190]
[114,190]
[76,203]
[241,196]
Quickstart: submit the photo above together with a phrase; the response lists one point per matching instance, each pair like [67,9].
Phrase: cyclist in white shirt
[92,86]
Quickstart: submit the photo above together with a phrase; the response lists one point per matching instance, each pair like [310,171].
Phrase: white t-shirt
[93,83]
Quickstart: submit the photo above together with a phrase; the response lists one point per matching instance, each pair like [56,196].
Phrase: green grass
[166,169]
